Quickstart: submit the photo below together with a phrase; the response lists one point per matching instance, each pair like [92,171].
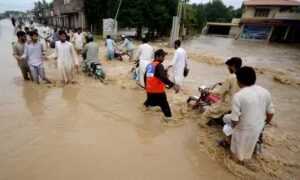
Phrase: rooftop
[271,3]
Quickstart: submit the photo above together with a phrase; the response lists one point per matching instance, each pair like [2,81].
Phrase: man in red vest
[155,79]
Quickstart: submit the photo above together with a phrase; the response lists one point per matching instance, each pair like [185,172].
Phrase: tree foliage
[214,11]
[40,7]
[157,15]
[154,14]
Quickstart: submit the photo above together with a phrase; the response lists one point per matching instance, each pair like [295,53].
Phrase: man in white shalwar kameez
[144,55]
[44,33]
[78,40]
[67,60]
[178,63]
[252,108]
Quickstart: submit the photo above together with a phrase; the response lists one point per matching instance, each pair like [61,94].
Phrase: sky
[23,5]
[18,5]
[234,3]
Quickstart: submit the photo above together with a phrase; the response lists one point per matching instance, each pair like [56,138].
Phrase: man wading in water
[252,108]
[67,60]
[155,80]
[34,53]
[18,51]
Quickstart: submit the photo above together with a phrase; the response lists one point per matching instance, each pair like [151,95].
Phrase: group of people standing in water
[244,106]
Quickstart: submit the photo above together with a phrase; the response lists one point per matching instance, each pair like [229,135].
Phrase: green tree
[154,14]
[160,14]
[237,13]
[40,7]
[217,11]
[157,15]
[214,11]
[95,11]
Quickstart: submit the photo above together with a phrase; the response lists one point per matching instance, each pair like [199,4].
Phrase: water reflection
[34,96]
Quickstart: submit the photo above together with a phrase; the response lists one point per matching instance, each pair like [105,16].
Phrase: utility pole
[178,30]
[182,33]
[117,13]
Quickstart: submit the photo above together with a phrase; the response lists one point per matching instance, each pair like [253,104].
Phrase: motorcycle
[119,54]
[205,99]
[95,70]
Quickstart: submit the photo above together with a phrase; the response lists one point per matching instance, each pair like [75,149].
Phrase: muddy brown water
[285,57]
[95,131]
[88,131]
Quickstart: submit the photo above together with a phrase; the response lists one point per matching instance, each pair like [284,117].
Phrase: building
[48,17]
[270,20]
[68,13]
[222,29]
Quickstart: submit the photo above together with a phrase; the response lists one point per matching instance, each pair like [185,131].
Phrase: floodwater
[255,53]
[88,131]
[94,131]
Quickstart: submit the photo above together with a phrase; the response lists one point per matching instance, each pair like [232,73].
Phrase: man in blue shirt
[35,53]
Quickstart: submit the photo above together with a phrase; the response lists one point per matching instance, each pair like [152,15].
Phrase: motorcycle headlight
[202,88]
[98,66]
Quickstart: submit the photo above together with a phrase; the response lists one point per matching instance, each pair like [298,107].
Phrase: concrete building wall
[69,13]
[234,31]
[287,15]
[249,12]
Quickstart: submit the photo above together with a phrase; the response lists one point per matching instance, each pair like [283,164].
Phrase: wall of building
[69,13]
[287,15]
[234,31]
[249,12]
[72,6]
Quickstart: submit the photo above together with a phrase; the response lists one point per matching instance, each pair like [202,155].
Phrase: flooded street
[281,57]
[89,131]
[94,131]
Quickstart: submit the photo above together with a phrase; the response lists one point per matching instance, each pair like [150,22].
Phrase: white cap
[123,36]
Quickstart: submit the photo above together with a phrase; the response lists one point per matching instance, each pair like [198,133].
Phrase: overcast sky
[23,5]
[235,3]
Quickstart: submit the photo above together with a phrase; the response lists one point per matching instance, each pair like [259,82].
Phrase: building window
[67,1]
[262,12]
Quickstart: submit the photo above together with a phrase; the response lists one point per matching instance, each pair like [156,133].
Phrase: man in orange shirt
[155,79]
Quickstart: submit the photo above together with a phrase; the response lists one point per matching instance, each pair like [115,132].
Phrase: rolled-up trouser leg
[41,72]
[29,72]
[34,73]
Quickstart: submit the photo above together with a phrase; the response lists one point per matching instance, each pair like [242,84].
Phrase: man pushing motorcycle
[89,52]
[226,91]
[91,63]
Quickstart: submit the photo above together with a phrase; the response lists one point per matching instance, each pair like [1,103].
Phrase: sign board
[110,27]
[255,33]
